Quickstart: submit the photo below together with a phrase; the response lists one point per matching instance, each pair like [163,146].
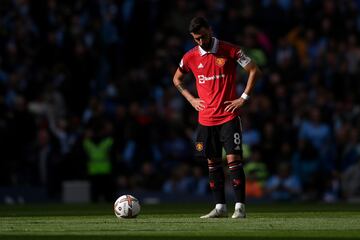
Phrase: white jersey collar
[212,50]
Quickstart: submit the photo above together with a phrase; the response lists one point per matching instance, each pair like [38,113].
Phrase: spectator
[283,186]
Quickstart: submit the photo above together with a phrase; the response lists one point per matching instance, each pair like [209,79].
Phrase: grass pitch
[180,221]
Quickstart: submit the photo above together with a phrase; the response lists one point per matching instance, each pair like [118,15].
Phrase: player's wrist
[245,96]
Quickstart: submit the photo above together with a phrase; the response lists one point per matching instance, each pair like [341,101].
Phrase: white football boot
[239,211]
[217,212]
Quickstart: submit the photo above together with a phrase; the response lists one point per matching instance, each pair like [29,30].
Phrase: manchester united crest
[220,61]
[199,146]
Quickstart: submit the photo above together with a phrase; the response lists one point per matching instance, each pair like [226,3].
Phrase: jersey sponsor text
[202,79]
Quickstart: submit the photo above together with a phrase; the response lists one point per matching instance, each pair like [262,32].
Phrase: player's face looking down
[203,38]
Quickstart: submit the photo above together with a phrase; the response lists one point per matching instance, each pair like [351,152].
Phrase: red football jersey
[215,74]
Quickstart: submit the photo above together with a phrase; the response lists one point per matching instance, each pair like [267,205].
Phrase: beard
[207,46]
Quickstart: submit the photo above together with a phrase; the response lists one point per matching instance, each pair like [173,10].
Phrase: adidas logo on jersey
[237,147]
[200,66]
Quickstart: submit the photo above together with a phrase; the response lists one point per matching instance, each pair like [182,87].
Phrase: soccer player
[213,63]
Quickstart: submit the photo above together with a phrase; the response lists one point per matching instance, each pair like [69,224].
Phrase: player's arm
[253,73]
[178,81]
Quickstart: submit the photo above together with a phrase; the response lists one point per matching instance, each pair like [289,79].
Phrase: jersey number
[237,139]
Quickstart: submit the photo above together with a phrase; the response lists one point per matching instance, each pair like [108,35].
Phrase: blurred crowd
[86,92]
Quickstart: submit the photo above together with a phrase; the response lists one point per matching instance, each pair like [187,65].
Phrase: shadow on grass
[107,237]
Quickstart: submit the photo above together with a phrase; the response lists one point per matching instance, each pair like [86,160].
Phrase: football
[126,206]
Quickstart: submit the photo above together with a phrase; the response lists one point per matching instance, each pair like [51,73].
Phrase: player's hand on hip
[198,104]
[233,105]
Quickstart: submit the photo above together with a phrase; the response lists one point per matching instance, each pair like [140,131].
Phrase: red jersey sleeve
[239,56]
[184,64]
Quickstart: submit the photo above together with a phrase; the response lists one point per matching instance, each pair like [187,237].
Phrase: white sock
[239,205]
[220,206]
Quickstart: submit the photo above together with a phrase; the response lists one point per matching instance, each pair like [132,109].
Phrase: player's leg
[217,186]
[208,147]
[237,178]
[232,139]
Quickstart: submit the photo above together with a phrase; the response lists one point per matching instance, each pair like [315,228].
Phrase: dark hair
[197,23]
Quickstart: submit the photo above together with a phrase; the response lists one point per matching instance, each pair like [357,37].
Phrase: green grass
[180,221]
